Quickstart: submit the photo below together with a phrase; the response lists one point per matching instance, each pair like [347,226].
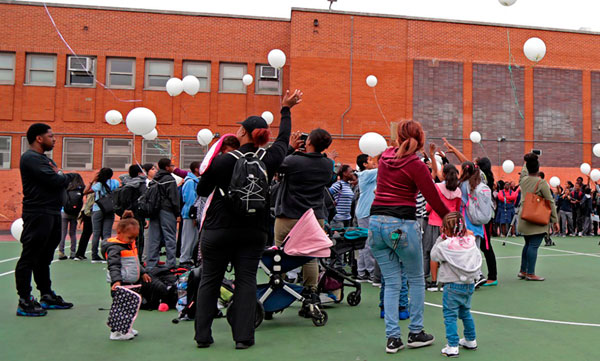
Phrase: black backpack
[125,197]
[74,202]
[148,204]
[249,187]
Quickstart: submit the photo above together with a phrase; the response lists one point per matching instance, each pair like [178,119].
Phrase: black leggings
[242,247]
[488,253]
[85,235]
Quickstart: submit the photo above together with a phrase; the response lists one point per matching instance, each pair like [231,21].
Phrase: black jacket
[218,175]
[44,190]
[169,194]
[305,176]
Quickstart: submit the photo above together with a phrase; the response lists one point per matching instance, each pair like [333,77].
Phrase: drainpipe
[351,58]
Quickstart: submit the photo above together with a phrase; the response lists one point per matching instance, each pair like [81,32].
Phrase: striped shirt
[421,206]
[343,195]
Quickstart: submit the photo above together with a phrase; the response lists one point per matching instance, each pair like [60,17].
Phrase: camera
[304,137]
[537,151]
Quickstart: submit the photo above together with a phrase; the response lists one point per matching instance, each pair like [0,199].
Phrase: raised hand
[289,100]
[295,140]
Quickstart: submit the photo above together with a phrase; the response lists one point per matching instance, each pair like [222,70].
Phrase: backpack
[249,187]
[479,205]
[126,197]
[74,202]
[148,204]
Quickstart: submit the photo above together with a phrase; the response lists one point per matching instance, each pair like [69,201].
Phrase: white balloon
[152,135]
[113,117]
[204,137]
[16,229]
[596,150]
[247,79]
[268,117]
[372,81]
[585,168]
[439,159]
[372,144]
[534,49]
[554,182]
[174,86]
[508,166]
[507,2]
[595,175]
[140,121]
[475,137]
[191,85]
[440,166]
[276,58]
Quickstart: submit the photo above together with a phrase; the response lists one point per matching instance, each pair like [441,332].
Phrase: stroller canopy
[307,238]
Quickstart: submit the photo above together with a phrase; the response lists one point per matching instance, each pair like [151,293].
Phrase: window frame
[182,164]
[258,80]
[129,155]
[221,78]
[28,70]
[208,73]
[68,73]
[109,72]
[25,147]
[10,144]
[147,74]
[9,82]
[144,152]
[64,153]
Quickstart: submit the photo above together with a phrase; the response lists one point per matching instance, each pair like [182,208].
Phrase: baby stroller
[304,242]
[347,241]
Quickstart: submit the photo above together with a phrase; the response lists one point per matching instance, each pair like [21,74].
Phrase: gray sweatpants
[163,226]
[189,240]
[69,226]
[102,227]
[366,261]
[566,221]
[430,235]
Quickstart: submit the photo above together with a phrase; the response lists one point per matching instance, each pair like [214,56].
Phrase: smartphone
[304,137]
[536,151]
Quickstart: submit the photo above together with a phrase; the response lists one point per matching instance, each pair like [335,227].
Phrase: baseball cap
[254,122]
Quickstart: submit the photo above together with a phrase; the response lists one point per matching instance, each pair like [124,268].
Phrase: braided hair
[454,225]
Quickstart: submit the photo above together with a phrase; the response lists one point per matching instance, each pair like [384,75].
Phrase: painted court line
[525,318]
[547,255]
[13,271]
[551,249]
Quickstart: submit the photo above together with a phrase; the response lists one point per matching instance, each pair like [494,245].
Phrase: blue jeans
[529,254]
[403,303]
[391,255]
[457,304]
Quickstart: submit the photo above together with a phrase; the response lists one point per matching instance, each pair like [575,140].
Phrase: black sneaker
[420,339]
[393,345]
[54,302]
[480,281]
[30,308]
[97,260]
[362,279]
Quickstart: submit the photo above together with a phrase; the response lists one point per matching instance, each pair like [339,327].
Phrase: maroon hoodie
[399,181]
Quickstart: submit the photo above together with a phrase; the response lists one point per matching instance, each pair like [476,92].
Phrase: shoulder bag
[536,209]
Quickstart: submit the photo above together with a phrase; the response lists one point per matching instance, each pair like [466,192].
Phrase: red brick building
[452,76]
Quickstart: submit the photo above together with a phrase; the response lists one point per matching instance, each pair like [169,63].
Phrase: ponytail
[260,136]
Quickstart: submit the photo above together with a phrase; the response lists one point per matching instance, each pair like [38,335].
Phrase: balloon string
[379,107]
[512,80]
[88,73]
[135,158]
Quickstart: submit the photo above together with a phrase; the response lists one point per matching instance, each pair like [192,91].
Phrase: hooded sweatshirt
[122,260]
[459,257]
[188,194]
[399,181]
[450,198]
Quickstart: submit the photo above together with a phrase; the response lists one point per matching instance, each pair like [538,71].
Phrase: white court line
[525,318]
[550,249]
[547,255]
[15,258]
[13,271]
[9,259]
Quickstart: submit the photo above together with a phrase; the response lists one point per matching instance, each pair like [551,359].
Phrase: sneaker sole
[394,350]
[54,307]
[469,348]
[420,344]
[26,314]
[453,355]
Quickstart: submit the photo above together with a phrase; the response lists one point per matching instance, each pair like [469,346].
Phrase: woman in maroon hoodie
[396,235]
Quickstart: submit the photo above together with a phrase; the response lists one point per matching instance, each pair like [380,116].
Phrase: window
[25,147]
[190,152]
[7,68]
[5,143]
[231,78]
[81,70]
[154,150]
[78,153]
[268,80]
[157,73]
[117,153]
[41,69]
[120,73]
[199,69]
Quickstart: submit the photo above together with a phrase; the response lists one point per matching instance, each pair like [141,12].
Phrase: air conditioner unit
[80,63]
[268,72]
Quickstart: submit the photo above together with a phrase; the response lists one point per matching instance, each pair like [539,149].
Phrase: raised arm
[452,149]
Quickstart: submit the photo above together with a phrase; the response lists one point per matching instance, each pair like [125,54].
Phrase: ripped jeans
[396,242]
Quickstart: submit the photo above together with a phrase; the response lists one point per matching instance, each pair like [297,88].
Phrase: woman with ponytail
[230,238]
[396,234]
[485,165]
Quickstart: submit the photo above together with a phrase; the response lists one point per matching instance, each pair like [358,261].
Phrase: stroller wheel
[353,298]
[320,320]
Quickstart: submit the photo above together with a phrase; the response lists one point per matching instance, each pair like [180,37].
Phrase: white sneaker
[118,336]
[134,332]
[450,351]
[469,345]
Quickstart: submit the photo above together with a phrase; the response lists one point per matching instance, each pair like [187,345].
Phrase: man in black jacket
[164,226]
[305,178]
[44,187]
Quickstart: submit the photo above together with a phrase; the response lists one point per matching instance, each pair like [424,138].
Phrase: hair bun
[530,157]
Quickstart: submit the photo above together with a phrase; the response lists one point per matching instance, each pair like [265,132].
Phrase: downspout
[351,58]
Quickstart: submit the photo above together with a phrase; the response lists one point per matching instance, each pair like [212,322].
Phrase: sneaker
[450,351]
[118,336]
[403,314]
[432,286]
[420,339]
[134,332]
[393,345]
[30,308]
[79,258]
[362,279]
[480,281]
[54,302]
[98,260]
[469,345]
[72,257]
[62,256]
[376,283]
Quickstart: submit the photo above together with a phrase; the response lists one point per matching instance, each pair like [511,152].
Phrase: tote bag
[536,209]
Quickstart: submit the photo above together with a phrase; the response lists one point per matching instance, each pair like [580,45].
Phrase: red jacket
[399,181]
[510,197]
[452,200]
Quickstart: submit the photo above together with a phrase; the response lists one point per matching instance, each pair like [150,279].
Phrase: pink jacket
[450,198]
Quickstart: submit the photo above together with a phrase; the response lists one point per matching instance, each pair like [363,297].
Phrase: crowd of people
[428,227]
